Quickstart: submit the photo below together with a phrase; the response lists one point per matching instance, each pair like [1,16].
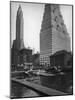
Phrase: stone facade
[26,55]
[53,35]
[61,58]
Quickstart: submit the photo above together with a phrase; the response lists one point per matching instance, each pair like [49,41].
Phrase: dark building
[14,56]
[62,59]
[26,55]
[22,58]
[36,60]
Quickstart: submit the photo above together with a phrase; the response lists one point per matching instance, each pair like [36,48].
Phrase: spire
[19,12]
[19,29]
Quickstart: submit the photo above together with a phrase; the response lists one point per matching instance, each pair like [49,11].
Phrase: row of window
[43,63]
[44,58]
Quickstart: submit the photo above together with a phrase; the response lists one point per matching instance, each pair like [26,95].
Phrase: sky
[33,16]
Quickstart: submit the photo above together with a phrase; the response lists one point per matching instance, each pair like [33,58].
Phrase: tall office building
[20,54]
[18,42]
[53,35]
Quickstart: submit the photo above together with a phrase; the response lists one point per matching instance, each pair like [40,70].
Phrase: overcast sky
[32,14]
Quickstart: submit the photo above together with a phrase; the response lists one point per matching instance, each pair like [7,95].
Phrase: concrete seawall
[39,88]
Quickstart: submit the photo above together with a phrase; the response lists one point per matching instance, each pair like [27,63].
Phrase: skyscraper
[53,35]
[20,54]
[18,42]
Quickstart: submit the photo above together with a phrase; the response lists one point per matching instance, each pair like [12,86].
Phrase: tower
[53,35]
[18,42]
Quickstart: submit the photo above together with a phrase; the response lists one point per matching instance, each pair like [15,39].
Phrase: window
[62,23]
[63,31]
[60,16]
[57,27]
[55,18]
[51,25]
[53,10]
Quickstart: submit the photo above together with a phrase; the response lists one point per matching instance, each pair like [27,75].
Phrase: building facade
[26,55]
[53,35]
[61,59]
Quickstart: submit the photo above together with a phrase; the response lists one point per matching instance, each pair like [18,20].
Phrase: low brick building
[62,59]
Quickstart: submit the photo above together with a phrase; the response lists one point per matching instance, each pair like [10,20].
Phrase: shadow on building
[62,60]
